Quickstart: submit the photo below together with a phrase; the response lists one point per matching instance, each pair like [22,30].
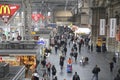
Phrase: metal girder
[57,4]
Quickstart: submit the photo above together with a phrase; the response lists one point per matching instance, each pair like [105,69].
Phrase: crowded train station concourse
[59,39]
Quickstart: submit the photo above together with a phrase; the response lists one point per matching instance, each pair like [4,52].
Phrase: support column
[27,19]
[98,13]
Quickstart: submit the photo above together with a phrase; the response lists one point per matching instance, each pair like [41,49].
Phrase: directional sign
[42,42]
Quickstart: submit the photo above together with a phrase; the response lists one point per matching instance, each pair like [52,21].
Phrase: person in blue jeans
[56,48]
[95,72]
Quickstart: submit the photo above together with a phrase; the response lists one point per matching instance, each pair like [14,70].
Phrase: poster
[112,27]
[102,26]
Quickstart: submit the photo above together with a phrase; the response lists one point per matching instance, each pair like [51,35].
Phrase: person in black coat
[114,59]
[43,62]
[76,76]
[117,77]
[61,62]
[75,55]
[65,50]
[53,71]
[35,75]
[119,71]
[55,78]
[111,66]
[95,72]
[79,46]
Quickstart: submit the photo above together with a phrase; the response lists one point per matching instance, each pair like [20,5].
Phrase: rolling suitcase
[69,68]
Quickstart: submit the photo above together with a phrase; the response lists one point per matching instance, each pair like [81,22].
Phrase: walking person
[75,47]
[53,71]
[119,71]
[95,72]
[55,78]
[61,62]
[75,55]
[65,50]
[69,42]
[79,46]
[111,66]
[114,59]
[48,65]
[43,62]
[71,53]
[91,47]
[35,75]
[117,77]
[56,48]
[76,76]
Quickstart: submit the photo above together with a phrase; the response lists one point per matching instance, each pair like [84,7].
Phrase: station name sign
[7,11]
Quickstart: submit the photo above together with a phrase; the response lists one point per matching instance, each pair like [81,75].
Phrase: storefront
[17,60]
[26,57]
[10,33]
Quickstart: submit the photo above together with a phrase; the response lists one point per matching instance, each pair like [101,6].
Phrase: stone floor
[85,72]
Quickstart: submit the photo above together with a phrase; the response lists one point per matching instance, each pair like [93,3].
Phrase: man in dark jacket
[61,62]
[75,56]
[65,50]
[76,76]
[119,71]
[95,72]
[111,66]
[117,77]
[35,75]
[53,71]
[55,78]
[114,59]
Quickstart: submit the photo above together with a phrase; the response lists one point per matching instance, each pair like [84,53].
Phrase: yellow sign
[99,42]
[4,9]
[33,33]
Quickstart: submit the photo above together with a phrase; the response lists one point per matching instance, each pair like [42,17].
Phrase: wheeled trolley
[69,68]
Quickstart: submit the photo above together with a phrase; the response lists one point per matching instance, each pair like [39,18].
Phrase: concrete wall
[84,19]
[62,16]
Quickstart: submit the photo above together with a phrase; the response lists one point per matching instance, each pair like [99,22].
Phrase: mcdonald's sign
[7,11]
[4,9]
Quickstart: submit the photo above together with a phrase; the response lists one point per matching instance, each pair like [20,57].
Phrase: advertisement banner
[102,26]
[7,11]
[112,27]
[37,17]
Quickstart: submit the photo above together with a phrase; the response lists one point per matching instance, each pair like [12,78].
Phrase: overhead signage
[102,26]
[7,11]
[112,27]
[37,17]
[41,41]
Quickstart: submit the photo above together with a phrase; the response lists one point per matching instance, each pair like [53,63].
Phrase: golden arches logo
[4,9]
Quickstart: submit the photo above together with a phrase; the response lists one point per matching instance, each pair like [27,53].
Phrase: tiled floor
[85,72]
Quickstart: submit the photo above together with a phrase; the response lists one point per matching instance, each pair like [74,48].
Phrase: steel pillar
[27,19]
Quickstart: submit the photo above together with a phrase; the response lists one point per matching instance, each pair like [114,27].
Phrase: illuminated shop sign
[7,11]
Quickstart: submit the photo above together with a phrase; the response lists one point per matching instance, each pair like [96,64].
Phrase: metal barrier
[18,45]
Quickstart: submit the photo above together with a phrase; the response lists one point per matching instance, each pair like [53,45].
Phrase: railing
[18,45]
